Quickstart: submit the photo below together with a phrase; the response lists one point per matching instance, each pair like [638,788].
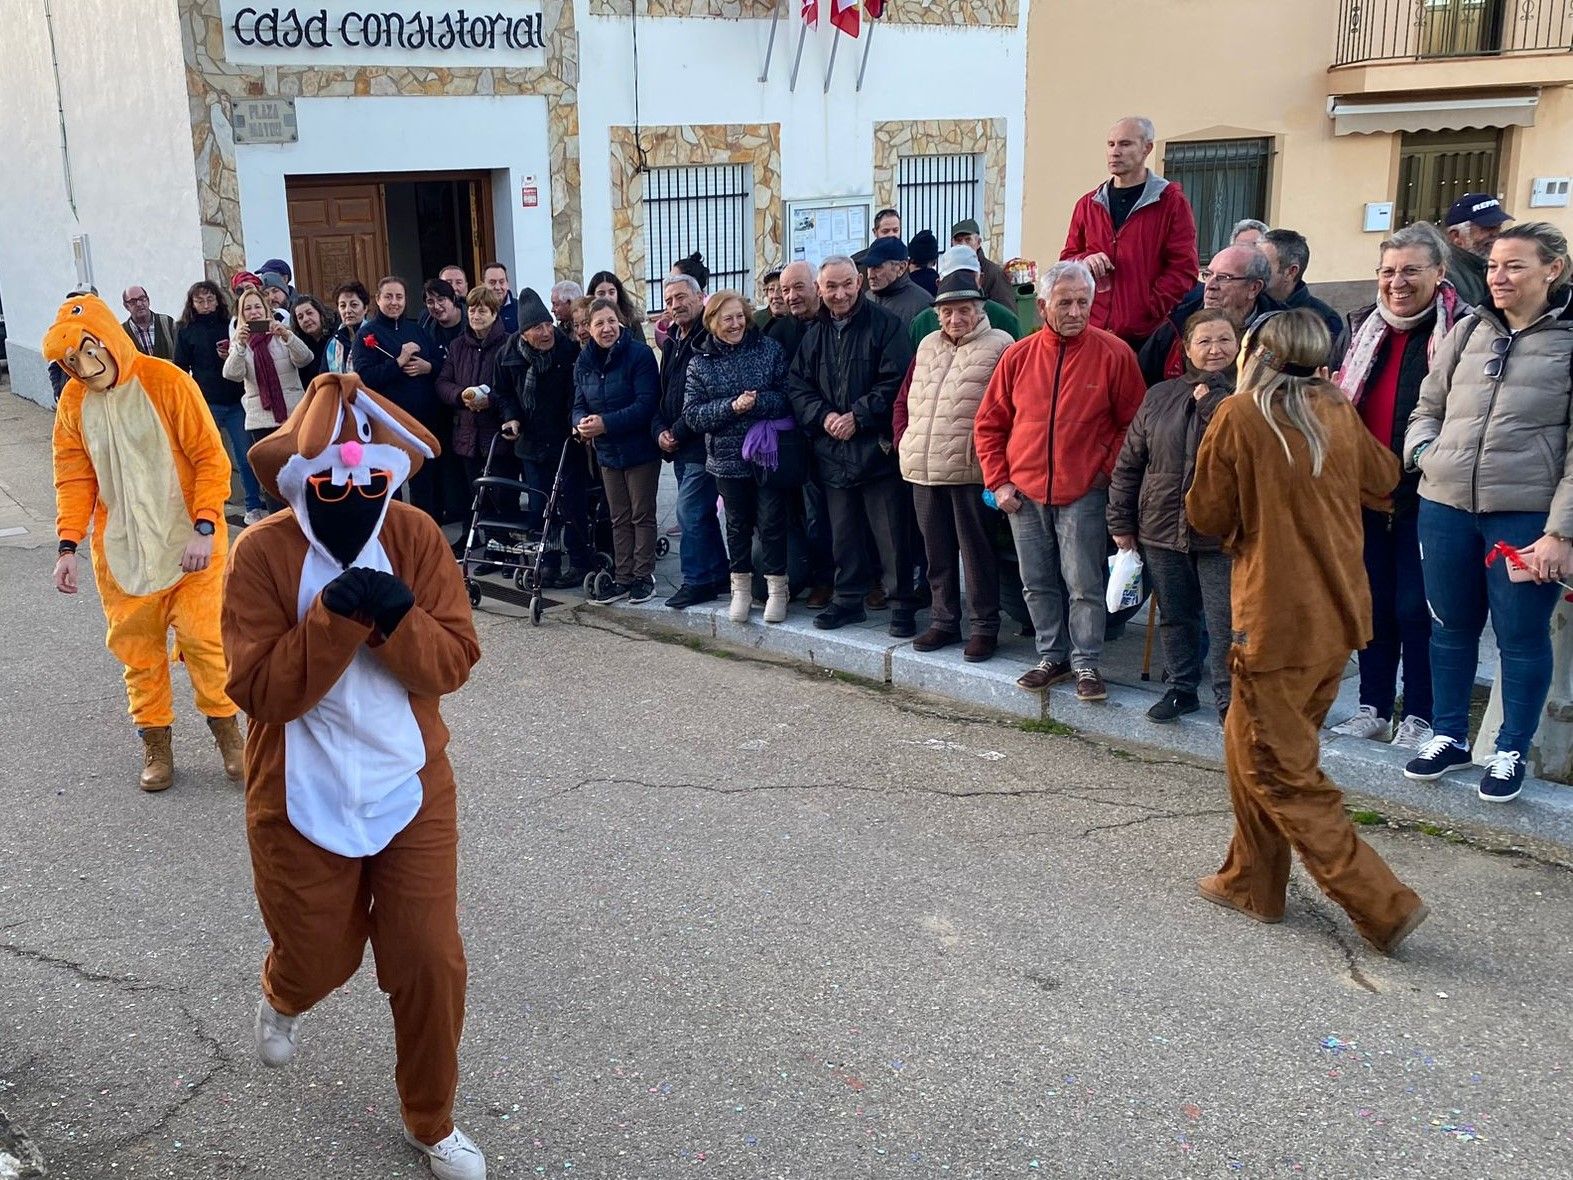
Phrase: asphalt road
[724,917]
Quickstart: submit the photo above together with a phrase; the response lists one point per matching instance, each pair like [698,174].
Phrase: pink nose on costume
[351,453]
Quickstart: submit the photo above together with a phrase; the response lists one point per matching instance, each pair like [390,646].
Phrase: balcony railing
[1418,30]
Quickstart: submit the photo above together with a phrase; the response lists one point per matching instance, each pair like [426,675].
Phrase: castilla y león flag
[811,13]
[844,14]
[874,8]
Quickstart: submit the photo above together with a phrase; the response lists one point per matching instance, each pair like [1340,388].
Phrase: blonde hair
[717,304]
[1278,362]
[483,297]
[247,292]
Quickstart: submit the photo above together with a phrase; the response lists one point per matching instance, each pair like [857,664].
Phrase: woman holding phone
[266,356]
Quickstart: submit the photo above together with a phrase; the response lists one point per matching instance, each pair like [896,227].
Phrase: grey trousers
[955,526]
[1193,592]
[1070,542]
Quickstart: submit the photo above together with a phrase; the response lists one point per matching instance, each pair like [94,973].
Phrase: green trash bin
[1027,307]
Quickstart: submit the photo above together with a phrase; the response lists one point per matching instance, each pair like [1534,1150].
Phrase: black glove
[387,601]
[347,594]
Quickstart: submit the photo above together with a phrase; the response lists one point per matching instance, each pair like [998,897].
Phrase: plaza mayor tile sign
[505,33]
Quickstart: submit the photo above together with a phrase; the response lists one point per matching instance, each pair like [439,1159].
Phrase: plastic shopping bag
[1125,580]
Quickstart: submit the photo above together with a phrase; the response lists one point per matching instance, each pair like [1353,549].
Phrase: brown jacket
[1299,592]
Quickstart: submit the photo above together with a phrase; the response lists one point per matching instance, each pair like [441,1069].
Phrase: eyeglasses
[1218,276]
[1497,361]
[1409,273]
[329,492]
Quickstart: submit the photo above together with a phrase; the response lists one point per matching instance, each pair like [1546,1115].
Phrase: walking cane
[1152,609]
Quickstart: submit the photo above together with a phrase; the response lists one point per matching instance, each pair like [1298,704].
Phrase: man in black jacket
[843,385]
[535,398]
[702,552]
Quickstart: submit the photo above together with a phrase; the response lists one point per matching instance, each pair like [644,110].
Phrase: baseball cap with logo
[1480,208]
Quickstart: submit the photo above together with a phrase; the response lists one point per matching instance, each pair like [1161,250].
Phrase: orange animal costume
[137,456]
[346,619]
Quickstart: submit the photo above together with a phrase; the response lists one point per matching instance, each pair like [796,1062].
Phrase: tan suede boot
[231,746]
[776,600]
[158,759]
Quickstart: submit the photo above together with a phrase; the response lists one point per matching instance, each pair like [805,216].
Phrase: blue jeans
[231,421]
[1400,623]
[1069,543]
[1461,591]
[702,552]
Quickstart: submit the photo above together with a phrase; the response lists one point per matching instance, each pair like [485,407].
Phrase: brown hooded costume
[345,620]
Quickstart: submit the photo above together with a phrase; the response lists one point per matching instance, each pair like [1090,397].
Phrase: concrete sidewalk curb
[1370,771]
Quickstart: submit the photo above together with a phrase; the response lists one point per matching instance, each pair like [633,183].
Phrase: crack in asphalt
[129,983]
[717,789]
[1156,814]
[1340,938]
[219,1061]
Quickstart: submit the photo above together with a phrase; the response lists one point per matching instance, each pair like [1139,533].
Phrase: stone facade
[930,137]
[756,144]
[952,13]
[212,83]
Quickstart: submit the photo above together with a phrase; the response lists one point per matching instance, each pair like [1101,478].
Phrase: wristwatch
[204,528]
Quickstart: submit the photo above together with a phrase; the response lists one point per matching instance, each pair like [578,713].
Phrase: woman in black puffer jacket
[1157,462]
[737,386]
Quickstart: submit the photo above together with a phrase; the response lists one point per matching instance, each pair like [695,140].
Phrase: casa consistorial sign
[384,32]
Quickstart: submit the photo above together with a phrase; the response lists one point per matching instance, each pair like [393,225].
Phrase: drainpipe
[60,109]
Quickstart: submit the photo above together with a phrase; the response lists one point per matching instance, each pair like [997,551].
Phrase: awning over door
[1364,117]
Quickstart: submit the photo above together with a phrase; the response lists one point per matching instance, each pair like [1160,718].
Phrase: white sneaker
[276,1036]
[1366,724]
[255,516]
[1412,734]
[455,1158]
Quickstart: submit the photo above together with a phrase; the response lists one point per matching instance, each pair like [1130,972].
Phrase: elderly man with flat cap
[889,283]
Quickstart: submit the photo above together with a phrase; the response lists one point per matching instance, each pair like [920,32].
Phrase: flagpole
[831,68]
[863,66]
[770,46]
[802,36]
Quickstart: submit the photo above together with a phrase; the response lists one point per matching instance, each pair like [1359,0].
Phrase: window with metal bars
[1435,168]
[709,208]
[935,192]
[1226,181]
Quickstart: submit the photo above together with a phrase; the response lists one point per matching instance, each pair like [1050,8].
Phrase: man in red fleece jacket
[1137,235]
[1047,434]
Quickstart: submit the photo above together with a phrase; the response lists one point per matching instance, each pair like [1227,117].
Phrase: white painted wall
[123,88]
[382,135]
[707,71]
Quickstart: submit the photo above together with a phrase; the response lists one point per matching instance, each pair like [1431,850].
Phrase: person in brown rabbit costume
[345,621]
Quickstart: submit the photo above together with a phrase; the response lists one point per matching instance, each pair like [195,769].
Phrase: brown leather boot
[231,746]
[158,759]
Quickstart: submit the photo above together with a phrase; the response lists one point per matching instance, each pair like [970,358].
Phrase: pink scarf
[1367,343]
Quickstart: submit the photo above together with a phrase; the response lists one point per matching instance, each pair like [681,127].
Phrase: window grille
[1226,182]
[935,192]
[709,208]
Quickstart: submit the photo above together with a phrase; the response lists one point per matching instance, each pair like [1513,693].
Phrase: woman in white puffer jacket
[268,364]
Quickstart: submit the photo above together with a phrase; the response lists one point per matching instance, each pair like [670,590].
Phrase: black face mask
[343,516]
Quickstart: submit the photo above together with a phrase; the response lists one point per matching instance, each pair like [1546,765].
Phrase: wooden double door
[345,228]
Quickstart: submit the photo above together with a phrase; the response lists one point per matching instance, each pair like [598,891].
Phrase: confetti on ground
[1191,1111]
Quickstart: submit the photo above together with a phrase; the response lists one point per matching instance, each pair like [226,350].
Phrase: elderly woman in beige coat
[933,432]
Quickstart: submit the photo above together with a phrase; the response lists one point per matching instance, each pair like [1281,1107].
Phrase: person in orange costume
[1281,474]
[346,620]
[138,457]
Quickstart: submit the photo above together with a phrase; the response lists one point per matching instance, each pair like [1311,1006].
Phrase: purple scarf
[761,446]
[269,390]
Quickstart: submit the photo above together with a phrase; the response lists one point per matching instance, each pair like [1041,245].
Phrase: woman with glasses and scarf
[1281,476]
[1491,440]
[1392,344]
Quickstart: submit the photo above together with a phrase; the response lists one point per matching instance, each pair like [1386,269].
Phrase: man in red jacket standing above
[1047,434]
[1137,236]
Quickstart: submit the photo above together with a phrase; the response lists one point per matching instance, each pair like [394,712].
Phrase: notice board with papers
[830,225]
